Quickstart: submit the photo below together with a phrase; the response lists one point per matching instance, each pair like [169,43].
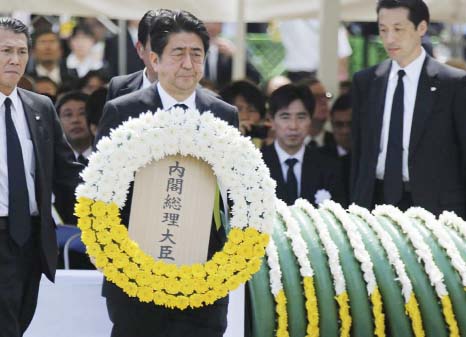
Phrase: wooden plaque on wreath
[171,209]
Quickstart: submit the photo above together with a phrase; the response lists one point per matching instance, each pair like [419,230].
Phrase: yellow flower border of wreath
[140,275]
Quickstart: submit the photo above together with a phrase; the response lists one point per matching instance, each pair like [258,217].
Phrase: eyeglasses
[324,96]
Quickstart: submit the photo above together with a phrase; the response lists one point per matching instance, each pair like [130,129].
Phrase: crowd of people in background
[79,75]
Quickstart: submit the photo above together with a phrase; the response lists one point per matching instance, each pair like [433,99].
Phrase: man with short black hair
[34,158]
[300,171]
[47,58]
[124,84]
[179,43]
[409,121]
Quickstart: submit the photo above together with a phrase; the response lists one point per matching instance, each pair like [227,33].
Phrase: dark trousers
[20,272]
[406,198]
[132,318]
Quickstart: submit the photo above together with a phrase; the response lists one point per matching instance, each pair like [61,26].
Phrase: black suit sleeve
[459,115]
[355,133]
[110,120]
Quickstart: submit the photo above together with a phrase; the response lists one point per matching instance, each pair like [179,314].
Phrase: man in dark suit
[133,61]
[179,43]
[340,117]
[34,158]
[299,171]
[124,84]
[219,63]
[409,121]
[48,59]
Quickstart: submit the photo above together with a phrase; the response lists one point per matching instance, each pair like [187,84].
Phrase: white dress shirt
[27,149]
[168,101]
[297,168]
[53,74]
[145,80]
[86,153]
[410,84]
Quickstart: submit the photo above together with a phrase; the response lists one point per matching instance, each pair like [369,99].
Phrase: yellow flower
[82,209]
[99,208]
[187,288]
[101,261]
[131,270]
[111,273]
[121,261]
[181,302]
[230,248]
[84,223]
[159,298]
[130,288]
[220,258]
[195,301]
[113,210]
[198,270]
[236,236]
[93,249]
[173,287]
[88,237]
[111,250]
[211,267]
[233,282]
[104,238]
[145,294]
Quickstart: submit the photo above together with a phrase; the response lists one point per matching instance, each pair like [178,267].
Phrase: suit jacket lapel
[150,97]
[34,121]
[201,101]
[378,103]
[425,98]
[134,84]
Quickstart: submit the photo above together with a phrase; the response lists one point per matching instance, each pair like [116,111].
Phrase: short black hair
[45,79]
[90,74]
[343,102]
[144,26]
[16,26]
[70,96]
[38,33]
[418,10]
[283,96]
[169,22]
[95,106]
[84,29]
[248,90]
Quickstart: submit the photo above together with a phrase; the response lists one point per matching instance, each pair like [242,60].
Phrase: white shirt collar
[283,155]
[86,153]
[145,80]
[413,70]
[168,101]
[341,151]
[14,98]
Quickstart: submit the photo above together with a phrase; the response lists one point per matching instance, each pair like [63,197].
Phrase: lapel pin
[37,117]
[433,88]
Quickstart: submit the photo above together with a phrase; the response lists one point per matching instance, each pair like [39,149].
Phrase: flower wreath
[239,168]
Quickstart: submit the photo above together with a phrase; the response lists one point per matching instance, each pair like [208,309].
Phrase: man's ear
[139,49]
[154,60]
[422,28]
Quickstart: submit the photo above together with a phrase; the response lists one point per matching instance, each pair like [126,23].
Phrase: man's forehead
[9,38]
[185,40]
[399,15]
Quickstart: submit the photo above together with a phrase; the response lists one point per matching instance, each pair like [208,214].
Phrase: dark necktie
[181,105]
[19,216]
[291,182]
[83,160]
[393,180]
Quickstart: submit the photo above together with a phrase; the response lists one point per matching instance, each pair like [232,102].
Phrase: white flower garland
[360,251]
[293,232]
[331,249]
[390,249]
[453,221]
[151,137]
[239,168]
[332,252]
[421,249]
[442,237]
[301,251]
[276,286]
